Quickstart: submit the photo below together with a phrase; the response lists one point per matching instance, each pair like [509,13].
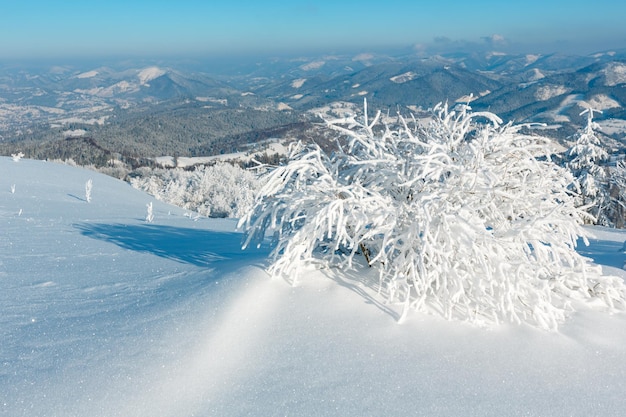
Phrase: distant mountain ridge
[201,110]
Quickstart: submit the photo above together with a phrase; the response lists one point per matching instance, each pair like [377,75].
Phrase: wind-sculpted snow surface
[469,220]
[103,314]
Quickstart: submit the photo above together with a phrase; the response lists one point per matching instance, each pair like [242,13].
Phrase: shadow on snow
[604,252]
[197,247]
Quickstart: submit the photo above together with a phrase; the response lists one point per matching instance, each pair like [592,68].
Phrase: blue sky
[70,28]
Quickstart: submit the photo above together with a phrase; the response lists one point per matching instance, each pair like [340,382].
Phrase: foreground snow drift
[104,314]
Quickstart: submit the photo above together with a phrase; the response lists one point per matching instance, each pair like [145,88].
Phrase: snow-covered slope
[105,314]
[148,74]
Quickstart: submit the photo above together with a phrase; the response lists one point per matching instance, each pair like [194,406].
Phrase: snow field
[103,314]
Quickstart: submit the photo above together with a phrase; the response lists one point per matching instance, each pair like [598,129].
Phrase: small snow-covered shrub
[88,188]
[149,212]
[466,217]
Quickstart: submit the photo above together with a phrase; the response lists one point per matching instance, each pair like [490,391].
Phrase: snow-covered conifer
[465,217]
[584,160]
[616,210]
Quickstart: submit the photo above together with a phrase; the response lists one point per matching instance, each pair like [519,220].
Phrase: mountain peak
[150,73]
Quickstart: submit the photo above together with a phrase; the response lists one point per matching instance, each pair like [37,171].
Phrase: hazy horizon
[39,29]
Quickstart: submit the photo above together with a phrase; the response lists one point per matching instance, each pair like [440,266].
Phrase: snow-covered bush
[585,160]
[465,219]
[220,190]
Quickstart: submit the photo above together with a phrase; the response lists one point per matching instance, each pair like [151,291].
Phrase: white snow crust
[270,146]
[531,58]
[548,91]
[558,114]
[313,65]
[403,78]
[298,83]
[88,74]
[615,74]
[601,102]
[534,75]
[613,126]
[112,90]
[148,74]
[74,133]
[104,314]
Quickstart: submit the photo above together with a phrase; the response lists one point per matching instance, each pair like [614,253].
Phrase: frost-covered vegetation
[599,184]
[466,217]
[220,190]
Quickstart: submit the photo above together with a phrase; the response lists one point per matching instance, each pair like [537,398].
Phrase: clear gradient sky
[92,28]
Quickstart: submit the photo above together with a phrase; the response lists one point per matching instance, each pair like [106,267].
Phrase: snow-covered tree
[17,156]
[616,210]
[584,160]
[220,190]
[464,217]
